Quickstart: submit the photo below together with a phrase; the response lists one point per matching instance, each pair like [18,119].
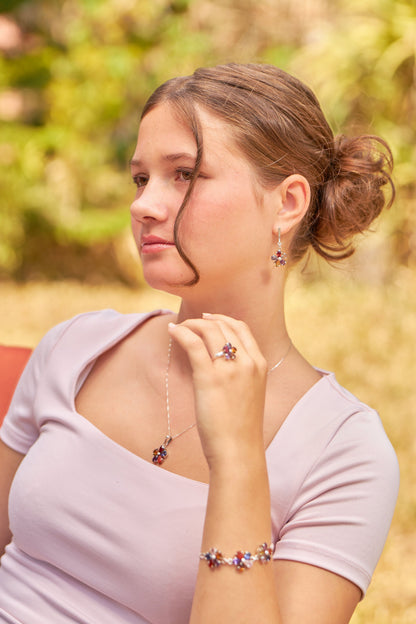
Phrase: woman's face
[226,229]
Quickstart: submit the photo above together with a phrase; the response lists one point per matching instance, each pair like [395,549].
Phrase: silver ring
[228,352]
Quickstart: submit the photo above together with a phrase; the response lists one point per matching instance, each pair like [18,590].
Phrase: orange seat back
[12,363]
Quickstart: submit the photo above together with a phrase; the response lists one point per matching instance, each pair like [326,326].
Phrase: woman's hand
[229,394]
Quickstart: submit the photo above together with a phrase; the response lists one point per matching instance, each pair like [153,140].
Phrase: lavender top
[102,535]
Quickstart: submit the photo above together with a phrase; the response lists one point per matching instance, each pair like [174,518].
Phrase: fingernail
[205,314]
[171,325]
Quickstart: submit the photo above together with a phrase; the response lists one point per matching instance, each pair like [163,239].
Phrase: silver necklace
[281,360]
[160,454]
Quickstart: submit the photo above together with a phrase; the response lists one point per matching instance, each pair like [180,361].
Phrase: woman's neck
[263,315]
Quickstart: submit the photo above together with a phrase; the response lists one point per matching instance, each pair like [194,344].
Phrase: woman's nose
[149,203]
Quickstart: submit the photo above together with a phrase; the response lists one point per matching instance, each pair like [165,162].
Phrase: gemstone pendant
[160,454]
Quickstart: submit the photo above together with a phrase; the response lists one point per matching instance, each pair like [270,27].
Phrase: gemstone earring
[279,258]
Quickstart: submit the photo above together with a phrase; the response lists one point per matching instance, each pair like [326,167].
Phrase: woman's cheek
[136,231]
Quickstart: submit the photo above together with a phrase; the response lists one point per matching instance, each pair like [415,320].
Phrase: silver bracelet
[242,560]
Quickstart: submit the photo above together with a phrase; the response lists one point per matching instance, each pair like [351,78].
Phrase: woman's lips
[154,244]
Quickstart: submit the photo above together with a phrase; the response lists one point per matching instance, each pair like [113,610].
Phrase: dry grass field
[366,334]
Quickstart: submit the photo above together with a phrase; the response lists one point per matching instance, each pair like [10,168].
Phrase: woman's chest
[127,401]
[106,518]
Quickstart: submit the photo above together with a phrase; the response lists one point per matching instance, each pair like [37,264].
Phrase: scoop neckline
[136,322]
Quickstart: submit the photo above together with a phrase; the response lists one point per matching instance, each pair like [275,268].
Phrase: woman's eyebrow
[173,157]
[137,162]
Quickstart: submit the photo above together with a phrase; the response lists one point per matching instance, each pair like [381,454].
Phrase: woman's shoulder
[99,323]
[331,403]
[107,318]
[87,332]
[331,427]
[350,421]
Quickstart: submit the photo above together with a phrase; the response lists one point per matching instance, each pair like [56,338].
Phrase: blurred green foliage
[74,75]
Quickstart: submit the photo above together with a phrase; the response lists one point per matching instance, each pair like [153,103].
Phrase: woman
[237,173]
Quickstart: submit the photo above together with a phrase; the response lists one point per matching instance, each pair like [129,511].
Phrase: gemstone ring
[228,352]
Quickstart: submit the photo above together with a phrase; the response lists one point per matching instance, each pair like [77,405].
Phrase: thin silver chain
[280,361]
[172,437]
[169,432]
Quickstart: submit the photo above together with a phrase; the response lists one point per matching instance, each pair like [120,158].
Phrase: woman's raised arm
[229,404]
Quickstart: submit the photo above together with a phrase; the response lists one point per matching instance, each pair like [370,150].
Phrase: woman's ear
[294,195]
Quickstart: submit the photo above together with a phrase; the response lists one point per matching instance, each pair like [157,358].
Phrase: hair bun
[352,195]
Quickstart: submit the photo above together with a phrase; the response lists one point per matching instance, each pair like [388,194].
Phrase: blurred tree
[364,68]
[74,75]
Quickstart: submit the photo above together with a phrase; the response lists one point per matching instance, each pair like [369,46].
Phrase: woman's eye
[184,175]
[140,180]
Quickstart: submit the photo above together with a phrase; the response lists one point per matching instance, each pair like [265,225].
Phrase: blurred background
[74,75]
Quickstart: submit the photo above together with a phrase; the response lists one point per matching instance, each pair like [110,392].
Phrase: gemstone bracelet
[242,560]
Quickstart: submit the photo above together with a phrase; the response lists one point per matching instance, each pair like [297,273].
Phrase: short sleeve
[19,429]
[341,514]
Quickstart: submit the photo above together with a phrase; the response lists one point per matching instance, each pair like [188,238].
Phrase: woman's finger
[216,335]
[194,343]
[241,333]
[222,342]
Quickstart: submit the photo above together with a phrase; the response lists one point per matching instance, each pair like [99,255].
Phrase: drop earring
[279,258]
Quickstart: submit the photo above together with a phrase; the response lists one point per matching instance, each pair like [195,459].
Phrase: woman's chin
[169,281]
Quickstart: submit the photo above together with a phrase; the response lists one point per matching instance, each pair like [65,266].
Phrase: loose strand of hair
[184,107]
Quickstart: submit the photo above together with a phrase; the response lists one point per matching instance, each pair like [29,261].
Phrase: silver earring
[279,258]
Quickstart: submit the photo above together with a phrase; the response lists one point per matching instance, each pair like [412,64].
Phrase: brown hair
[278,124]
